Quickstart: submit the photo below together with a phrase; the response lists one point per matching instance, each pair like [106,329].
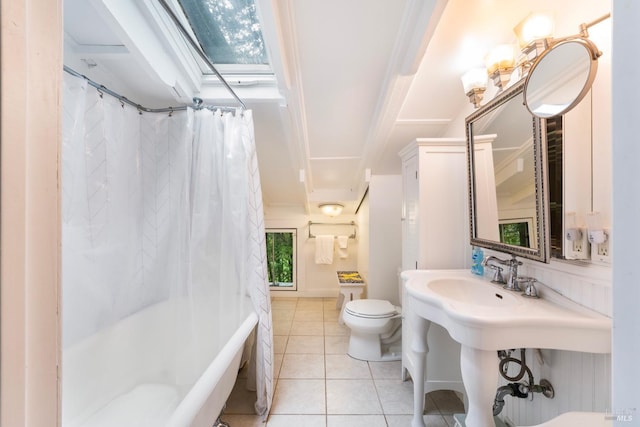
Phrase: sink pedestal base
[480,377]
[420,348]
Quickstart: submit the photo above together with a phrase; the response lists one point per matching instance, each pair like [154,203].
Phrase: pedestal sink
[484,318]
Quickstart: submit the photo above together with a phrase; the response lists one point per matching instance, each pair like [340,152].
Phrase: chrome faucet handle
[530,290]
[522,279]
[497,274]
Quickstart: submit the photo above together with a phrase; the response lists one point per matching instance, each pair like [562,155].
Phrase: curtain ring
[139,109]
[170,111]
[100,93]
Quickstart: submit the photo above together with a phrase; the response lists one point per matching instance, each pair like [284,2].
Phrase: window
[228,30]
[516,231]
[281,259]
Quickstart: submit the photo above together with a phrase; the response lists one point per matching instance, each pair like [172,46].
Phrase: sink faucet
[511,283]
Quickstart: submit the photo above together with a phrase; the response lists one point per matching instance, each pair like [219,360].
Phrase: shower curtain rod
[198,50]
[197,102]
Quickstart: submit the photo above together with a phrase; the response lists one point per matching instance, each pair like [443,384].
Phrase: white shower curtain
[162,208]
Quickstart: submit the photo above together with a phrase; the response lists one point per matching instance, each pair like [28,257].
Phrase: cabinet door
[410,213]
[444,218]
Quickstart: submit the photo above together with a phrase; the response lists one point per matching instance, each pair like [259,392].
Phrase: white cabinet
[435,218]
[435,235]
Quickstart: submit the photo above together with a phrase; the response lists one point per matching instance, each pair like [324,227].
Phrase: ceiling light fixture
[331,209]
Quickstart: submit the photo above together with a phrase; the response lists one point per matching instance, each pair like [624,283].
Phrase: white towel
[324,249]
[343,242]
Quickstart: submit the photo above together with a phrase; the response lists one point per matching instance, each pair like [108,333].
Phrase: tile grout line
[324,359]
[325,319]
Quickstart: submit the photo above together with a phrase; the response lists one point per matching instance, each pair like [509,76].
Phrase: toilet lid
[373,308]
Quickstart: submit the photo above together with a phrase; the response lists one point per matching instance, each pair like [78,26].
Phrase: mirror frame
[541,252]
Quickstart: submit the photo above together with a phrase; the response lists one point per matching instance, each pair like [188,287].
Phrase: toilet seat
[372,309]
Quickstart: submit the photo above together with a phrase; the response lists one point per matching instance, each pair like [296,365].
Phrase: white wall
[385,234]
[30,235]
[315,280]
[582,381]
[626,209]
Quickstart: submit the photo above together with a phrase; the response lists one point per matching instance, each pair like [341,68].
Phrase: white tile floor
[319,385]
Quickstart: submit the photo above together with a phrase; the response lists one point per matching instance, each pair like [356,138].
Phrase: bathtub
[137,372]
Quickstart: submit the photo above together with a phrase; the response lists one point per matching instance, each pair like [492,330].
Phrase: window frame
[201,80]
[191,11]
[294,256]
[528,221]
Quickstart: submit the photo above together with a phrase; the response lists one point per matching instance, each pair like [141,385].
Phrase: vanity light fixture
[500,63]
[474,83]
[537,45]
[331,209]
[533,31]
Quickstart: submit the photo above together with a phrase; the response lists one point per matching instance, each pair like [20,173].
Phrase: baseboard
[307,293]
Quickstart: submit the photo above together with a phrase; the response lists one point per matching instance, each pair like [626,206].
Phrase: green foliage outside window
[516,233]
[280,258]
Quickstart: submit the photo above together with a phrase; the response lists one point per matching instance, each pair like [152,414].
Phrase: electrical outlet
[603,248]
[578,246]
[601,252]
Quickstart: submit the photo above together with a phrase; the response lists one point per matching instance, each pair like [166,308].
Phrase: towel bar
[352,223]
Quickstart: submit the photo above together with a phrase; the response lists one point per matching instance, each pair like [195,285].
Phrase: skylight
[228,30]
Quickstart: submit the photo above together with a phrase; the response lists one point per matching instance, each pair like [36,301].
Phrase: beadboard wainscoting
[582,381]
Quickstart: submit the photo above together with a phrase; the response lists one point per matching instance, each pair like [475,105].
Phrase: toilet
[376,329]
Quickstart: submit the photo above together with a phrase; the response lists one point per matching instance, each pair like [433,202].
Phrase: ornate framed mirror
[508,199]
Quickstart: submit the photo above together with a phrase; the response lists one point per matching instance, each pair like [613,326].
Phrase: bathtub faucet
[511,283]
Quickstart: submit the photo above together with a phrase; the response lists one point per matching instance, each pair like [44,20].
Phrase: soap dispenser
[477,256]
